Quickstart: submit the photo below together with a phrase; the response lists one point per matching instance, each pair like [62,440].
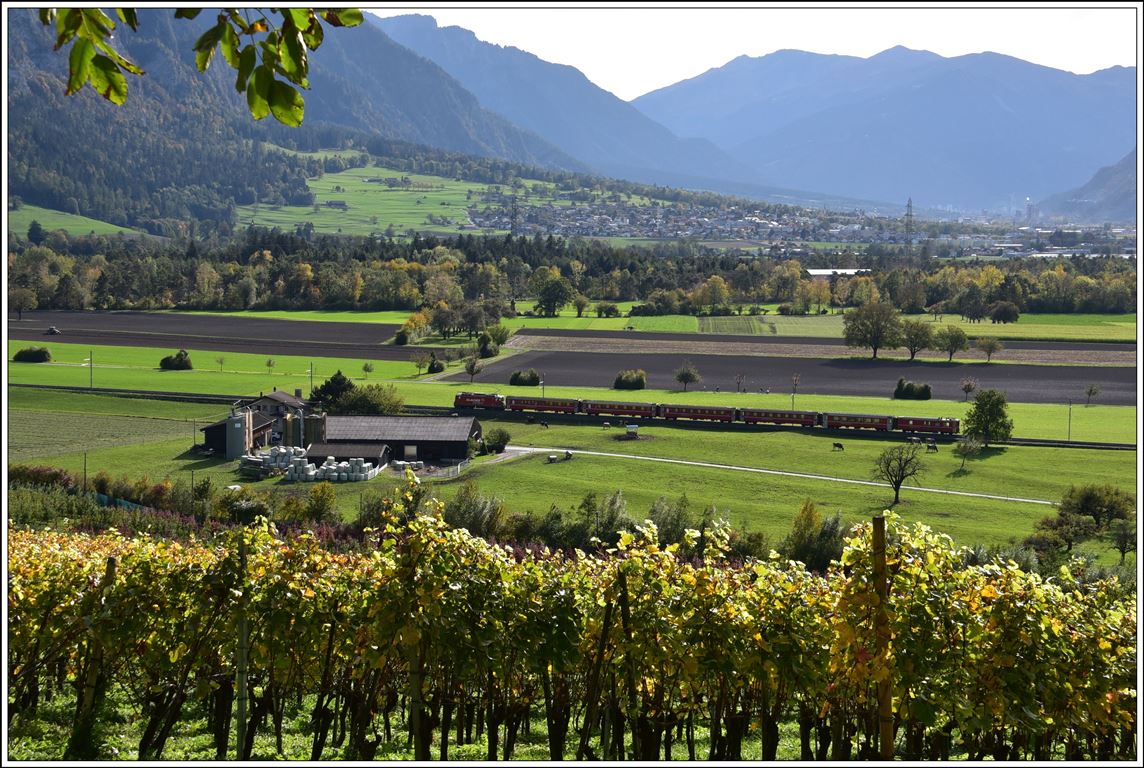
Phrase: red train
[724,414]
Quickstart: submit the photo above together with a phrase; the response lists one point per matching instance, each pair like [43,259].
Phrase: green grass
[59,428]
[20,220]
[373,206]
[245,374]
[388,317]
[241,374]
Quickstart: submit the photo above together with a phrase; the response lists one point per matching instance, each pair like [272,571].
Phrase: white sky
[636,49]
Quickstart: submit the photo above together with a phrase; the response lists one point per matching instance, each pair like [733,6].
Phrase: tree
[813,541]
[420,359]
[272,51]
[444,320]
[990,346]
[370,400]
[22,299]
[553,295]
[270,363]
[36,233]
[322,503]
[1103,503]
[472,367]
[1091,391]
[180,361]
[497,439]
[988,418]
[581,302]
[874,325]
[1124,537]
[220,360]
[968,384]
[950,339]
[1004,312]
[967,448]
[897,465]
[367,369]
[687,374]
[916,336]
[1063,529]
[331,390]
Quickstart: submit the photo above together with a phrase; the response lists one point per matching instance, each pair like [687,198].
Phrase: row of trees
[275,270]
[878,325]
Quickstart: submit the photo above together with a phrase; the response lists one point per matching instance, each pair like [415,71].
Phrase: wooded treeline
[271,269]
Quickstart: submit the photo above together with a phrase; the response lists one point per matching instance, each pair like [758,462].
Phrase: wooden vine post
[882,637]
[243,651]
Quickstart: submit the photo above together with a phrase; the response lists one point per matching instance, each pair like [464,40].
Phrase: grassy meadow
[133,437]
[19,221]
[246,374]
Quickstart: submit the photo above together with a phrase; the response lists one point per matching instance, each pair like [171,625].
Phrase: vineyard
[442,638]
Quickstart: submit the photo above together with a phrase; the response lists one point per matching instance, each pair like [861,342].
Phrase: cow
[931,446]
[607,425]
[544,424]
[913,439]
[838,447]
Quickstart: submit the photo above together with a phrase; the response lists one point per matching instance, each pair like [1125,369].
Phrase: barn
[434,439]
[238,433]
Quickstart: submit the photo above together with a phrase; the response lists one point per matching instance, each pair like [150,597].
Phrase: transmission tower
[909,227]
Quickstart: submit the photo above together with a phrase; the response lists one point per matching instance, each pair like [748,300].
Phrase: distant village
[1021,235]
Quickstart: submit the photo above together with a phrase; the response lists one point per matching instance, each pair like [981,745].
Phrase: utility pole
[311,375]
[1070,419]
[90,369]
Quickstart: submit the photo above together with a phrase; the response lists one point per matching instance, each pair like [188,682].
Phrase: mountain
[1109,196]
[185,147]
[982,130]
[560,104]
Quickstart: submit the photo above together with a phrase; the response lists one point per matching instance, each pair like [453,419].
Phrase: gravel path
[826,478]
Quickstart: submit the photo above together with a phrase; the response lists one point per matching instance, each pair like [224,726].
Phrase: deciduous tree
[950,339]
[990,346]
[687,374]
[874,325]
[988,418]
[916,336]
[273,50]
[898,464]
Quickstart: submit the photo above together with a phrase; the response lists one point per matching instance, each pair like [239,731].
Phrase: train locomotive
[929,425]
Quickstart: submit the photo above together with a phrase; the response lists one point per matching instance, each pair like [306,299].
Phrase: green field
[20,220]
[245,374]
[373,206]
[1029,327]
[59,428]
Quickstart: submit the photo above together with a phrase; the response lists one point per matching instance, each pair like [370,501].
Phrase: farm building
[283,408]
[443,439]
[238,433]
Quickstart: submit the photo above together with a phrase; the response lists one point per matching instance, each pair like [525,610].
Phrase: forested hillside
[184,147]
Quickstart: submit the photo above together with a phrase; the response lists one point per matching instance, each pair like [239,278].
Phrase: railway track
[578,418]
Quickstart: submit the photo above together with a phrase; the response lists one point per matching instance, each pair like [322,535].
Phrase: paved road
[843,376]
[826,478]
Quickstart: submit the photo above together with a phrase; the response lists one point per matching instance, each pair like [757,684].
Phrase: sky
[632,50]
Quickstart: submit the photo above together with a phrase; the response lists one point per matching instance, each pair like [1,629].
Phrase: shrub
[908,390]
[23,474]
[636,379]
[498,333]
[401,338]
[435,365]
[486,346]
[529,378]
[180,361]
[497,439]
[786,309]
[33,355]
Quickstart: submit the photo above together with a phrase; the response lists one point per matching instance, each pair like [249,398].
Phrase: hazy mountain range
[981,131]
[1110,195]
